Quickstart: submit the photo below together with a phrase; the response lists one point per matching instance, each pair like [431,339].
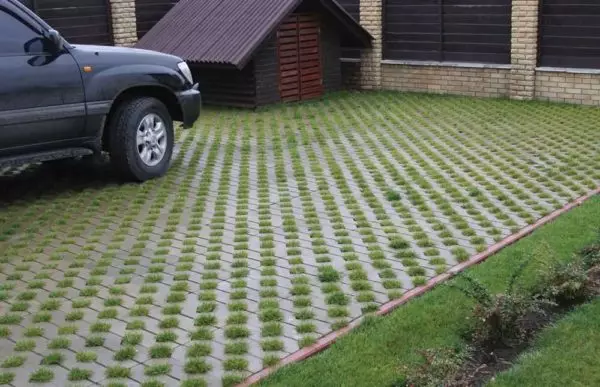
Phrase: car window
[16,37]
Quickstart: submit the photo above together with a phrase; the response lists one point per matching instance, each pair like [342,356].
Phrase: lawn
[374,354]
[273,228]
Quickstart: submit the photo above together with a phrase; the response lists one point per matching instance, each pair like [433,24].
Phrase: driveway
[272,229]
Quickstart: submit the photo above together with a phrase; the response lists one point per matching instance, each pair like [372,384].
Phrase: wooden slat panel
[84,21]
[489,37]
[407,24]
[286,40]
[444,29]
[570,34]
[286,33]
[289,74]
[149,12]
[288,60]
[289,46]
[300,74]
[309,58]
[311,74]
[311,77]
[353,8]
[290,95]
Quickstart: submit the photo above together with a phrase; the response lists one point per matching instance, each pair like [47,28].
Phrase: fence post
[524,48]
[371,18]
[124,25]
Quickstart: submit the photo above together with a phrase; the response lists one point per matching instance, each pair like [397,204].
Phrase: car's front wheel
[141,139]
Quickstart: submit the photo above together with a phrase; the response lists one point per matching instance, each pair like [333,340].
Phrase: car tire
[134,146]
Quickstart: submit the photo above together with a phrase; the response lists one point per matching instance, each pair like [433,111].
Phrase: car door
[42,102]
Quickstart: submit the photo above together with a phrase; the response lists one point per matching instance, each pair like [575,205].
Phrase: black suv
[60,101]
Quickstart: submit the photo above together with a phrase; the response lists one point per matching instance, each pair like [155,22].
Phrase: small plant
[157,369]
[439,367]
[196,366]
[498,317]
[565,282]
[399,243]
[13,361]
[591,255]
[199,350]
[393,196]
[42,375]
[161,351]
[80,374]
[53,358]
[125,353]
[6,377]
[86,356]
[94,341]
[25,345]
[117,372]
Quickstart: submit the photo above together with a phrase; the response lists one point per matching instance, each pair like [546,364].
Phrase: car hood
[122,55]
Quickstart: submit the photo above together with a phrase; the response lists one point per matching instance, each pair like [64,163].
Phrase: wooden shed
[250,53]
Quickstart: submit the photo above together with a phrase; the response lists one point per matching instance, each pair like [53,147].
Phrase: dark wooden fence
[448,30]
[570,33]
[353,8]
[149,12]
[79,21]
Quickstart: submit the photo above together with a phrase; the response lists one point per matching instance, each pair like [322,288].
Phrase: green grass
[6,377]
[373,354]
[42,375]
[80,374]
[13,361]
[563,355]
[117,372]
[86,356]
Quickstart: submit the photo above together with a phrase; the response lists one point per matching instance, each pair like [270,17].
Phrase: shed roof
[227,32]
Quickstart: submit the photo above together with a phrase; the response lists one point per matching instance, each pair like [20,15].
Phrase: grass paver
[376,352]
[272,228]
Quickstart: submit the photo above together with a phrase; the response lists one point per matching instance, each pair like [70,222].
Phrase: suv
[61,101]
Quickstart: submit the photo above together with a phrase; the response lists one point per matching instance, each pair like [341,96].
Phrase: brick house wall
[432,78]
[521,79]
[570,86]
[124,22]
[371,14]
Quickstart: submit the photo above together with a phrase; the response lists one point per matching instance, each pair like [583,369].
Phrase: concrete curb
[327,340]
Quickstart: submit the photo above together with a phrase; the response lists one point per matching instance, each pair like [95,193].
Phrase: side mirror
[56,40]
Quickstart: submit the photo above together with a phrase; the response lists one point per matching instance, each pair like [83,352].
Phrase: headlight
[185,70]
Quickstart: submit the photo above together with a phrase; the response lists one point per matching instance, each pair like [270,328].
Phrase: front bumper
[191,103]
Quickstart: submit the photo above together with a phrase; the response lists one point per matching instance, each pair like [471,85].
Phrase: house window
[447,30]
[570,34]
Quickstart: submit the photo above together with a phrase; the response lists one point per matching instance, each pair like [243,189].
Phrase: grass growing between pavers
[563,355]
[375,353]
[272,228]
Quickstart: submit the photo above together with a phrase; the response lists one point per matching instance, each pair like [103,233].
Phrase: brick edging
[327,340]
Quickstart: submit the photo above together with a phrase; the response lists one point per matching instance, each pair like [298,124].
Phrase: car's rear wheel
[141,139]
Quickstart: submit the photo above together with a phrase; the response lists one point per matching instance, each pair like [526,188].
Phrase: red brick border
[327,340]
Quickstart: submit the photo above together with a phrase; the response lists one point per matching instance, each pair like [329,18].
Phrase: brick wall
[570,87]
[371,17]
[123,22]
[477,82]
[522,79]
[524,48]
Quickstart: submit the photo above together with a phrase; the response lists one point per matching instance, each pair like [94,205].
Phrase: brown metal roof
[229,31]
